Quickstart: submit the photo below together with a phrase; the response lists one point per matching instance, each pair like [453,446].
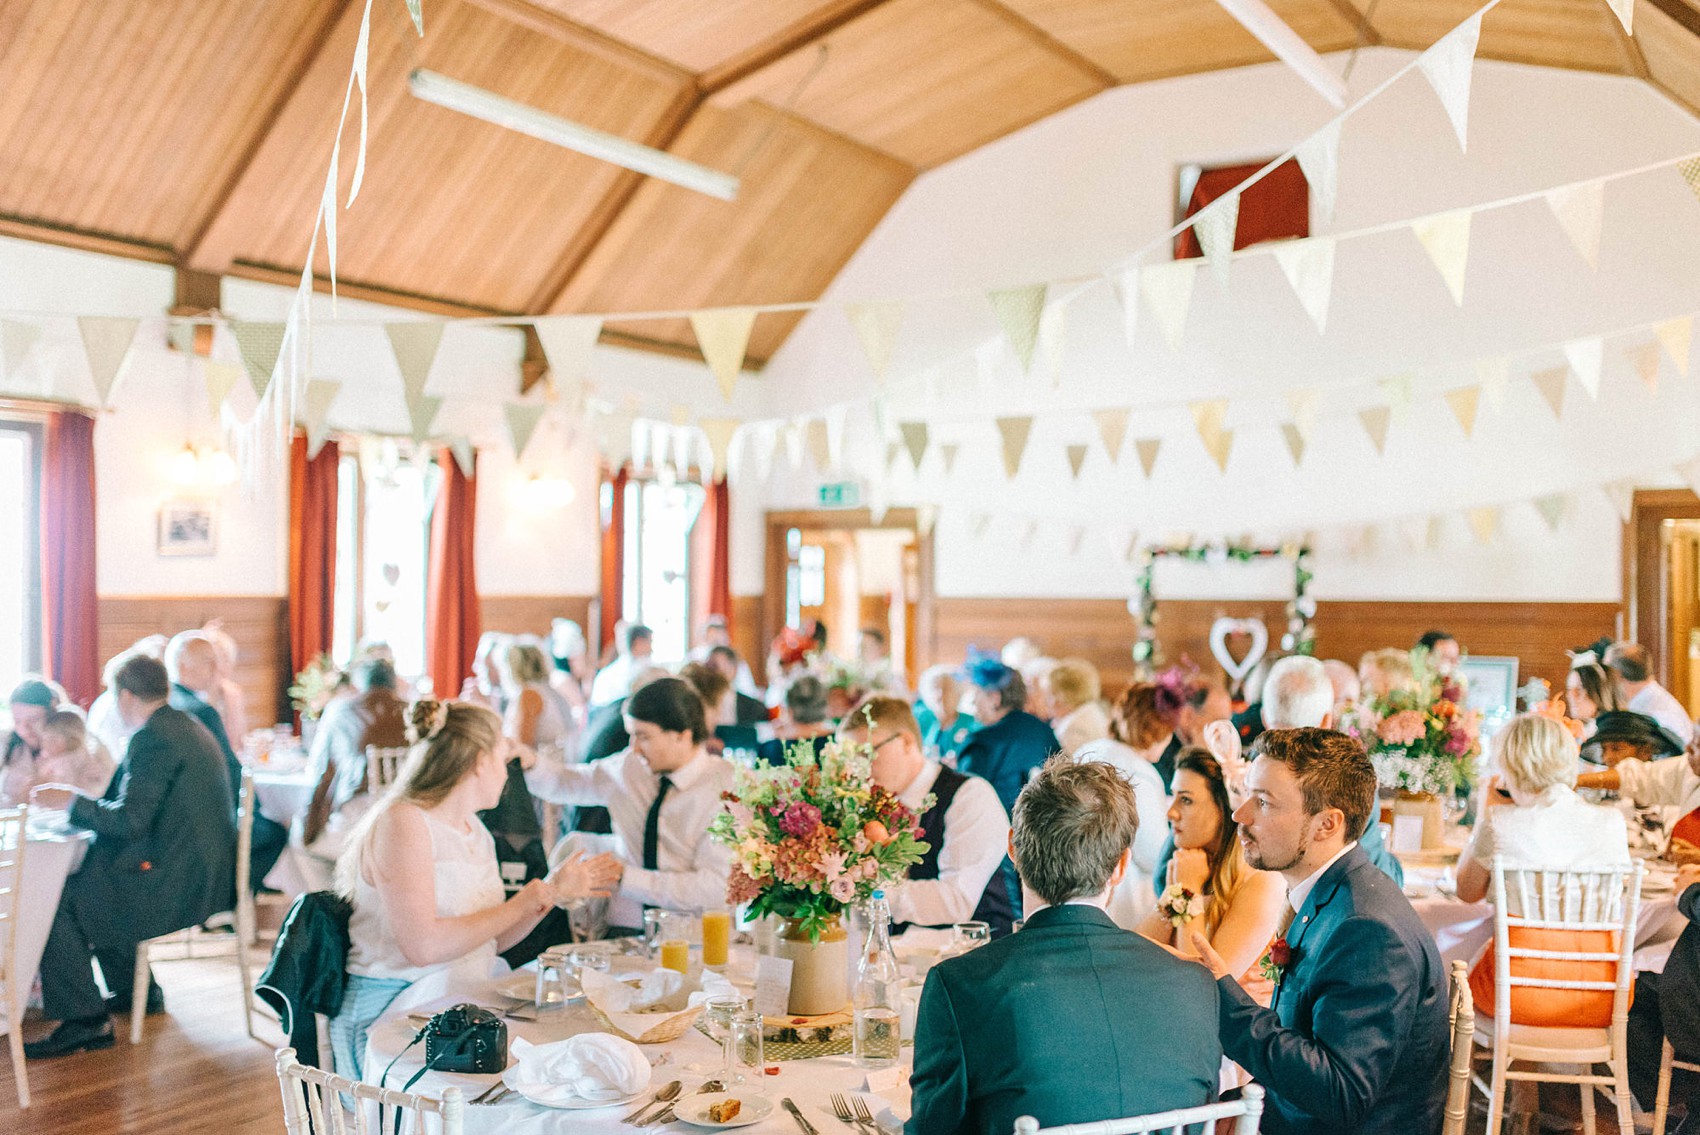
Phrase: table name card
[773,985]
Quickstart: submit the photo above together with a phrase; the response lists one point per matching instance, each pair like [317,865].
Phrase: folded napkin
[657,991]
[590,1066]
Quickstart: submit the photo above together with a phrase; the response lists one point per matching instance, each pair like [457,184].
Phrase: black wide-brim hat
[1635,729]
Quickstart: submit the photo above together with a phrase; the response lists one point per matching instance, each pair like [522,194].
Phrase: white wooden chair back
[312,1104]
[1463,1017]
[13,987]
[1247,1111]
[382,767]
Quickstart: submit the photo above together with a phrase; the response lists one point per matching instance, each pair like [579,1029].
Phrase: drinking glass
[718,1013]
[971,935]
[652,923]
[551,990]
[584,959]
[747,1061]
[716,937]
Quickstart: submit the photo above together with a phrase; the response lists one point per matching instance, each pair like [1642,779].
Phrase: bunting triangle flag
[1586,358]
[876,323]
[315,411]
[1415,531]
[106,340]
[820,445]
[1676,336]
[1208,417]
[415,346]
[1689,471]
[835,418]
[1053,339]
[259,344]
[1647,358]
[1375,420]
[718,432]
[1484,522]
[1463,400]
[1076,458]
[1167,288]
[1019,311]
[1127,294]
[1309,268]
[1216,226]
[1551,383]
[522,423]
[415,8]
[1622,497]
[1112,428]
[1625,12]
[1076,537]
[1494,374]
[16,341]
[1303,403]
[421,414]
[892,449]
[926,518]
[1218,445]
[1029,532]
[947,453]
[568,342]
[1397,391]
[1580,211]
[221,379]
[465,457]
[1014,432]
[1319,160]
[723,336]
[1446,239]
[1147,449]
[1690,171]
[1295,442]
[1551,509]
[978,523]
[915,441]
[793,435]
[1448,66]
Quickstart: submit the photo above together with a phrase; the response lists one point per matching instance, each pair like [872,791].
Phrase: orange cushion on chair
[1553,1008]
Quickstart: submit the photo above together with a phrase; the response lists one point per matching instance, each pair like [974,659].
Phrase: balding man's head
[1297,695]
[192,661]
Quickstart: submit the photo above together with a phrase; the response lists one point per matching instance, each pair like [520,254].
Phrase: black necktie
[652,827]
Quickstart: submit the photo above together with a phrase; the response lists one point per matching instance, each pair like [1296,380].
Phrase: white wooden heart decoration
[1223,629]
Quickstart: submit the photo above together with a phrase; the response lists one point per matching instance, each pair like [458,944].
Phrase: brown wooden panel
[697,37]
[1671,51]
[531,614]
[1577,34]
[259,624]
[1158,38]
[808,199]
[744,622]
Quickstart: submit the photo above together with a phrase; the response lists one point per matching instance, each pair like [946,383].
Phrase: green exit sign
[840,494]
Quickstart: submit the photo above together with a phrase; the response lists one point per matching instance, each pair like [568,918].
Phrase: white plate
[548,1095]
[694,1109]
[523,987]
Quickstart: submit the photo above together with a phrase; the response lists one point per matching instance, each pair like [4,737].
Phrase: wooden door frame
[775,525]
[1645,582]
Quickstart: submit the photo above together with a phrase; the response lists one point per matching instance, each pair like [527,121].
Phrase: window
[656,589]
[1275,208]
[20,550]
[383,540]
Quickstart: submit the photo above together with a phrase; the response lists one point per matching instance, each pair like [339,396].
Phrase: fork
[865,1115]
[841,1108]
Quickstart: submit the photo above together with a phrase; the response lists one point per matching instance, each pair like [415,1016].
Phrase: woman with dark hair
[32,702]
[1590,690]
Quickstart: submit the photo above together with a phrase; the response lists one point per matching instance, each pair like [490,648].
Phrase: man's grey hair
[1298,694]
[1071,825]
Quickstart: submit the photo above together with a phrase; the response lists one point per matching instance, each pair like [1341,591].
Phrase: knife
[808,1128]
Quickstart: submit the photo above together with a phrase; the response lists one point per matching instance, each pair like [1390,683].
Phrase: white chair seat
[1559,1045]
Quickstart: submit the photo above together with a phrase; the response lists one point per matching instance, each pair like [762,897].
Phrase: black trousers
[68,989]
[1646,1037]
[270,840]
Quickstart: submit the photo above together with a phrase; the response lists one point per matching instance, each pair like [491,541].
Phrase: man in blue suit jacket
[1356,1039]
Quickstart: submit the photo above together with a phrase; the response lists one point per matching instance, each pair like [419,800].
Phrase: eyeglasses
[877,746]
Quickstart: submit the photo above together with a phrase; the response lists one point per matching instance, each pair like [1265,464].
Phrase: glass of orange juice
[716,937]
[675,954]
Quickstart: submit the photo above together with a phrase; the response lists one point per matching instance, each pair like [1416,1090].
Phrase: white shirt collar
[1300,891]
[912,796]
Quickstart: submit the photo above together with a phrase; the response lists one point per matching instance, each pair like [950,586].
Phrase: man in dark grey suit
[163,858]
[1356,1039]
[1072,1019]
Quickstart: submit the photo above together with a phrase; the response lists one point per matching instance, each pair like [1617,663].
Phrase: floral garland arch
[1299,637]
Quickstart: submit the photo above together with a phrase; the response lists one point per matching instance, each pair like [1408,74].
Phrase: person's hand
[525,754]
[1683,853]
[536,898]
[579,876]
[56,797]
[1687,877]
[1206,954]
[1190,868]
[1222,738]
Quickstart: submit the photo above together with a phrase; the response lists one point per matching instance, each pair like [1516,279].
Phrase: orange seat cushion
[1552,1008]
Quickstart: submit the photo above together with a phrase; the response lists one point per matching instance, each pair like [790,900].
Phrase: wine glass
[718,1012]
[970,936]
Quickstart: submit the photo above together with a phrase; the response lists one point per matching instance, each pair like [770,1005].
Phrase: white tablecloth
[50,857]
[283,795]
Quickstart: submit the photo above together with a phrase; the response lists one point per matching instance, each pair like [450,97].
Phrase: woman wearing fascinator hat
[1590,690]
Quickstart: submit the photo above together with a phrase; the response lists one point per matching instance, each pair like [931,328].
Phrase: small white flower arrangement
[1179,905]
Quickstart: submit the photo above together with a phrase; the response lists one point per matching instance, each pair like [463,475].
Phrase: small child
[70,756]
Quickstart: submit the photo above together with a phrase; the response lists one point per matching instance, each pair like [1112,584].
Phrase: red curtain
[711,557]
[312,551]
[613,559]
[70,606]
[452,621]
[1276,208]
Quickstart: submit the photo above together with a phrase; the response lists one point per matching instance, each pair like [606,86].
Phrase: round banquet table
[810,1083]
[53,851]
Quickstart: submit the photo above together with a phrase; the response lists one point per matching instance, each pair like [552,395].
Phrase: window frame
[31,421]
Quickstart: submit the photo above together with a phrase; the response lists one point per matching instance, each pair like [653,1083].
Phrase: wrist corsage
[1273,964]
[1179,905]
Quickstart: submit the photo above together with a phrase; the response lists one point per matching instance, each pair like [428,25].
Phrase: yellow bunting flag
[1647,358]
[1208,417]
[1551,384]
[1076,455]
[259,344]
[1112,428]
[421,414]
[1019,311]
[819,444]
[522,423]
[1375,420]
[1218,446]
[1014,433]
[1690,171]
[915,441]
[106,340]
[1295,442]
[1447,66]
[876,324]
[1303,403]
[1676,336]
[723,335]
[221,379]
[719,433]
[415,346]
[1463,402]
[1484,522]
[1147,449]
[1446,239]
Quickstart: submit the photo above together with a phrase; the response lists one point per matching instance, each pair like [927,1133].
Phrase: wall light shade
[1289,47]
[452,94]
[186,466]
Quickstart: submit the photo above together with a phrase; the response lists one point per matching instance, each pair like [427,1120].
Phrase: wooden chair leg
[139,993]
[15,1039]
[1496,1093]
[1661,1104]
[246,978]
[1588,1127]
[1621,1094]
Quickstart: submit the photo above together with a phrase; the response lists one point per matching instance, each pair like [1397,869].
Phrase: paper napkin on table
[590,1066]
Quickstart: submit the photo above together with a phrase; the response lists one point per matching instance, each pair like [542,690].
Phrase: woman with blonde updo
[409,922]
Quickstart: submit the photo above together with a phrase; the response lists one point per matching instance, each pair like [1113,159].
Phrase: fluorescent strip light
[1261,21]
[452,94]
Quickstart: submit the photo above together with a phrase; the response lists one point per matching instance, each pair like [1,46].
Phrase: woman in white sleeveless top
[409,922]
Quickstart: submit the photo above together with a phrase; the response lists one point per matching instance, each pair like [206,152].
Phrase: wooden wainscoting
[531,614]
[1102,631]
[258,623]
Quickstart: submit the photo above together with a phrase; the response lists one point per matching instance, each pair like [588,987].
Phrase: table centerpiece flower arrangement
[315,686]
[811,838]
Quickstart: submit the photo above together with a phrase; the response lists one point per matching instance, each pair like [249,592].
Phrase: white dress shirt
[1669,783]
[1300,891]
[1135,895]
[1557,830]
[1661,705]
[976,838]
[614,681]
[691,869]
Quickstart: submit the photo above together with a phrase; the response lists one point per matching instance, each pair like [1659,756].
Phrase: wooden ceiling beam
[803,33]
[1683,15]
[1360,19]
[85,240]
[529,15]
[1050,43]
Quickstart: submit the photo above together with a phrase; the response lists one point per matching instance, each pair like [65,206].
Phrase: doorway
[1661,575]
[848,571]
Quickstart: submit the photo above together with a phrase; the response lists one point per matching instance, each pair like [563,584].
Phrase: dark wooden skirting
[258,623]
[531,614]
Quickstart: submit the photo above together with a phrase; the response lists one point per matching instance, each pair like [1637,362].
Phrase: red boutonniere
[1273,965]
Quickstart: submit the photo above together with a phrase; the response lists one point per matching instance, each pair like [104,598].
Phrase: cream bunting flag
[221,379]
[1690,171]
[1295,442]
[1625,12]
[915,441]
[1216,226]
[415,346]
[718,432]
[978,522]
[106,340]
[1446,239]
[1127,294]
[820,445]
[1463,401]
[1397,391]
[1551,384]
[259,344]
[1053,339]
[684,450]
[876,324]
[1112,428]
[569,342]
[763,442]
[835,418]
[1415,531]
[1319,159]
[1218,446]
[1019,311]
[1448,66]
[466,459]
[793,435]
[723,336]
[1303,403]
[1076,458]
[1484,522]
[315,411]
[892,449]
[1494,374]
[1580,211]
[1586,358]
[1551,509]
[1208,417]
[1622,497]
[1014,432]
[1646,358]
[522,422]
[1676,336]
[1167,288]
[1375,420]
[16,340]
[1147,449]
[421,414]
[947,454]
[1076,537]
[1309,268]
[1029,532]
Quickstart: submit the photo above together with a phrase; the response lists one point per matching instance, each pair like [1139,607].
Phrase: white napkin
[658,989]
[590,1066]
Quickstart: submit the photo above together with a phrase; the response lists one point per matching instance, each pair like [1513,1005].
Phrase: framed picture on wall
[1490,684]
[187,528]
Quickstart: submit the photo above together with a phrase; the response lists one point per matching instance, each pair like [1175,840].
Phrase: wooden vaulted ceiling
[196,132]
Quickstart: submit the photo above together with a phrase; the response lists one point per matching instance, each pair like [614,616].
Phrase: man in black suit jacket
[1667,1006]
[1071,1020]
[1356,1038]
[162,859]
